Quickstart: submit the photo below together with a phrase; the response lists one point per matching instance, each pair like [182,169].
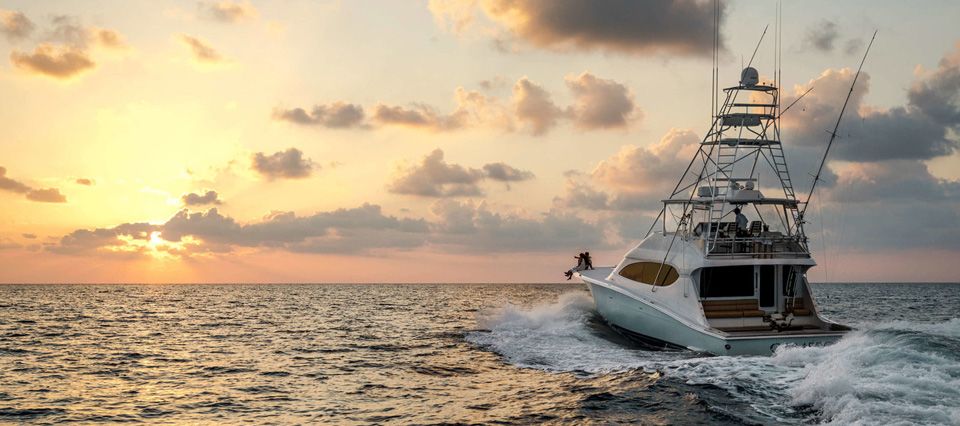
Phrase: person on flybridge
[741,221]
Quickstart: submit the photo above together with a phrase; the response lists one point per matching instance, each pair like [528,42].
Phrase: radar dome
[749,77]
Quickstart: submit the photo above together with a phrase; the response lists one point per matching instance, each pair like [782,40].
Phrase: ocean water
[429,354]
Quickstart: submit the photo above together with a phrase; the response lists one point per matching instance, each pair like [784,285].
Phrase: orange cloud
[59,62]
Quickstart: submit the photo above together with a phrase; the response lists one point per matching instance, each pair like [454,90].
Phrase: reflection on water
[442,353]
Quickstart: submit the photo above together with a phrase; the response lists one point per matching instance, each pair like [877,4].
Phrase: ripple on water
[448,353]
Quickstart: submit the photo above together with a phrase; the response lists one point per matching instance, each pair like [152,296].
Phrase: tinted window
[646,272]
[727,281]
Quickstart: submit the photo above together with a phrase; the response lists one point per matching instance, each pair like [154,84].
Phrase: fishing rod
[833,134]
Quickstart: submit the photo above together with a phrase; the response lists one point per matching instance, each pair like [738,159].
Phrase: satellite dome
[749,77]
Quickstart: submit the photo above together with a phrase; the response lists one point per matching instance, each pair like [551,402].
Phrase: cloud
[822,36]
[338,115]
[433,177]
[893,203]
[937,93]
[534,107]
[648,171]
[228,11]
[117,239]
[417,116]
[65,51]
[578,194]
[634,179]
[683,27]
[69,31]
[202,51]
[601,103]
[357,230]
[48,195]
[29,236]
[109,38]
[505,173]
[472,109]
[893,181]
[84,181]
[15,26]
[288,164]
[53,61]
[11,185]
[853,46]
[469,227]
[918,130]
[194,199]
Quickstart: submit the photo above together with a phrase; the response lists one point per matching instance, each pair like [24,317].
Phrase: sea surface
[425,354]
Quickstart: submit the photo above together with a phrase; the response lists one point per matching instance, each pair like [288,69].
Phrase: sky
[447,140]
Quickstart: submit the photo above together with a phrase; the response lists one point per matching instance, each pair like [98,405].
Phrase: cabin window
[646,272]
[727,281]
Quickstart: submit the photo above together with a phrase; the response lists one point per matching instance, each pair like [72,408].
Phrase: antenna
[833,134]
[758,45]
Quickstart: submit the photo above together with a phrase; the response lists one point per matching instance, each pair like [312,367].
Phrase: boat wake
[901,371]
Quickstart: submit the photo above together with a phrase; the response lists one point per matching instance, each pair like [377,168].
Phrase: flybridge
[741,151]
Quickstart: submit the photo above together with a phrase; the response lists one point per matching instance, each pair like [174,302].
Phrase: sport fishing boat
[705,278]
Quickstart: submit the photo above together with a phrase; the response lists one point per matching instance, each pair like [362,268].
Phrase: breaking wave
[891,372]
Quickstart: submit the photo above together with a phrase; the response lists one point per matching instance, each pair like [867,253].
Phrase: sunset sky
[449,140]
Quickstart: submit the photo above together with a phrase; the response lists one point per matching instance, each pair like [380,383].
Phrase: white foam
[885,374]
[882,375]
[554,337]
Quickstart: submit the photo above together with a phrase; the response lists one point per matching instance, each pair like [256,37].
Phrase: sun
[155,240]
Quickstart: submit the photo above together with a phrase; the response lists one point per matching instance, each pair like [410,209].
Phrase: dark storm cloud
[15,26]
[84,181]
[434,177]
[194,199]
[201,50]
[288,164]
[683,27]
[338,115]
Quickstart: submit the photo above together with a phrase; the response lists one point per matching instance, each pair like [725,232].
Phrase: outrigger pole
[833,134]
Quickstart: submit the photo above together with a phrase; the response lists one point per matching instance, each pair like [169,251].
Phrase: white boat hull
[656,326]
